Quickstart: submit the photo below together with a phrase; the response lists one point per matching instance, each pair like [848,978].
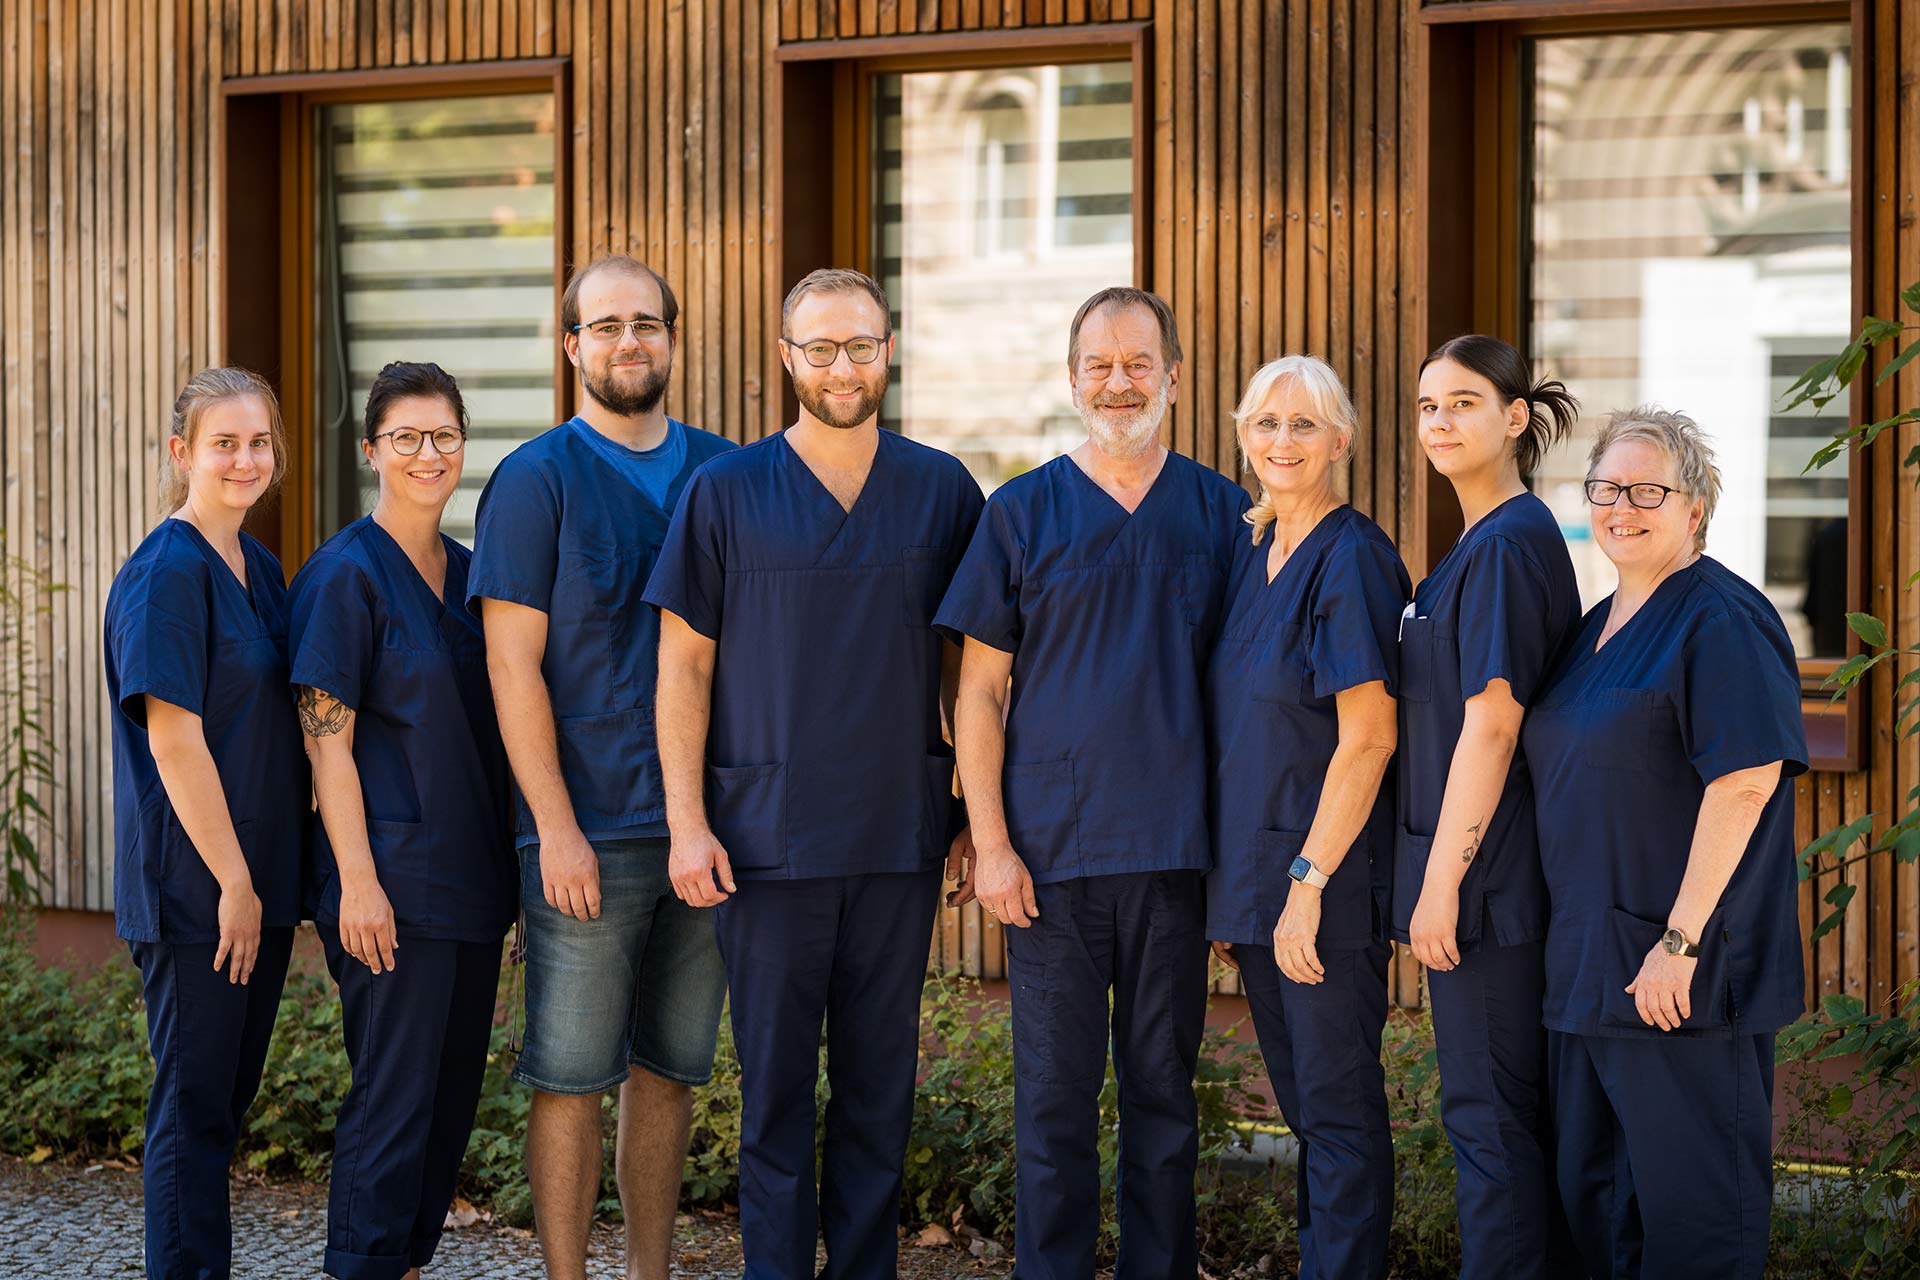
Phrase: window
[989,184]
[1691,245]
[434,241]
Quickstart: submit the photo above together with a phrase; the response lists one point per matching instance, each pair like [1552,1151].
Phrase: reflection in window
[435,243]
[1691,215]
[995,185]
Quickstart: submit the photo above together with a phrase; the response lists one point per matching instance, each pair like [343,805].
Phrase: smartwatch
[1675,943]
[1304,871]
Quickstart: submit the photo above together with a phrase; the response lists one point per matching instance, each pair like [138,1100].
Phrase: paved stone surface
[82,1224]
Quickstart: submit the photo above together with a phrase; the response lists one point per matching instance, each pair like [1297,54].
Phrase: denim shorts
[641,986]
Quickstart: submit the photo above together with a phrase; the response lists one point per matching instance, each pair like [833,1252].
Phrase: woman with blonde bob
[210,799]
[1661,750]
[1300,693]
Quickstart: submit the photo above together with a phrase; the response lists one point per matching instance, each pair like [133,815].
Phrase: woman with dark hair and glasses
[1477,639]
[1660,750]
[416,852]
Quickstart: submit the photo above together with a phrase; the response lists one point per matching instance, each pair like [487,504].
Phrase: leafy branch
[26,755]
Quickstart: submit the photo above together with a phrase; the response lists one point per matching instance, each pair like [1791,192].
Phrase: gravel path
[84,1224]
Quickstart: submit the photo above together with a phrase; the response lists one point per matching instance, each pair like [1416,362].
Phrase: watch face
[1301,867]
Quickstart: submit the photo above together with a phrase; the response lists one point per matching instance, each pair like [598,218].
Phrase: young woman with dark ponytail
[1476,641]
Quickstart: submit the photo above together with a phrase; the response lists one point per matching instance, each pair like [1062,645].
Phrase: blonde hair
[1677,436]
[1331,405]
[205,389]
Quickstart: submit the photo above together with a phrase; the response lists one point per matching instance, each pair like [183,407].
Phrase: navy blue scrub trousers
[850,951]
[417,1038]
[1492,1053]
[209,1039]
[1665,1153]
[1321,1043]
[1141,936]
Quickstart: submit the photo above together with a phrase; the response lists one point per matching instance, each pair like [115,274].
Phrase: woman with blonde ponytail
[1476,643]
[1300,693]
[210,801]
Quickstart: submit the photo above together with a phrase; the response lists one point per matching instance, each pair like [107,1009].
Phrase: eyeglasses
[1604,493]
[822,352]
[646,329]
[446,442]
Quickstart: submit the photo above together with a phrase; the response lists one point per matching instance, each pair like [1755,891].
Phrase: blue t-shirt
[561,529]
[652,471]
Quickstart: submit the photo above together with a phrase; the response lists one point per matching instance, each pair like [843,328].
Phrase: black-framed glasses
[447,441]
[1604,493]
[646,328]
[822,352]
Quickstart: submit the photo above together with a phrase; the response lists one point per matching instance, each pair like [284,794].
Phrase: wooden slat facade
[1295,191]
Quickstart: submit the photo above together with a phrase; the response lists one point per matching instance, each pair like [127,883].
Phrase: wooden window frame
[1488,239]
[817,233]
[266,125]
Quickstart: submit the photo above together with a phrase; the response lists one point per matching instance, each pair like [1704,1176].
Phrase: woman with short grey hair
[1660,751]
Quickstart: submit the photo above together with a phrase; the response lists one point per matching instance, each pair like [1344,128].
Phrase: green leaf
[1898,363]
[1911,296]
[1838,840]
[1827,925]
[1809,383]
[1874,331]
[1868,627]
[1840,895]
[1839,1101]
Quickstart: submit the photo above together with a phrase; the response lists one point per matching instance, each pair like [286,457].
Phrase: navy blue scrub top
[1109,618]
[563,530]
[1499,606]
[824,751]
[368,630]
[180,626]
[1699,683]
[1327,622]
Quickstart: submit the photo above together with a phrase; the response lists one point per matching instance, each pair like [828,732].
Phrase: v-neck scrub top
[1109,617]
[1327,622]
[1500,605]
[564,530]
[824,751]
[180,626]
[368,630]
[1699,683]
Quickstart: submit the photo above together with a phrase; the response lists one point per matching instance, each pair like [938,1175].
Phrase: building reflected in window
[1691,247]
[1011,183]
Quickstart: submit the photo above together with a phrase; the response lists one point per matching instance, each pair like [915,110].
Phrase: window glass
[1005,198]
[1691,247]
[435,244]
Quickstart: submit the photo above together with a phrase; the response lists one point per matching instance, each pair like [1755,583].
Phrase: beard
[628,402]
[842,415]
[1131,435]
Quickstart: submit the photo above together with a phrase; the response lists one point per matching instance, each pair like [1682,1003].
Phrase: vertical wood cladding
[1283,215]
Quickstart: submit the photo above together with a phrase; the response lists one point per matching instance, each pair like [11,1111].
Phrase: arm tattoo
[321,714]
[1473,842]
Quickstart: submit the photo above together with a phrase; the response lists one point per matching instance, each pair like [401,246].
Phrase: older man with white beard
[1093,584]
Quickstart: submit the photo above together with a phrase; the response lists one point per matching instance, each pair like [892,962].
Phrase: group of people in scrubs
[718,722]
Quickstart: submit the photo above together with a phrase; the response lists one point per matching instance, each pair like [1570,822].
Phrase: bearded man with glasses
[624,982]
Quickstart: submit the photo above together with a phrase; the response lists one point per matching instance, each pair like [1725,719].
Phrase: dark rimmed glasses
[822,352]
[1648,496]
[447,441]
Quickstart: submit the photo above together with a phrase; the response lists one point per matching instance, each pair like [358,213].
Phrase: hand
[1662,991]
[960,858]
[694,864]
[367,930]
[1001,882]
[1225,951]
[239,932]
[570,875]
[1294,937]
[1436,921]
